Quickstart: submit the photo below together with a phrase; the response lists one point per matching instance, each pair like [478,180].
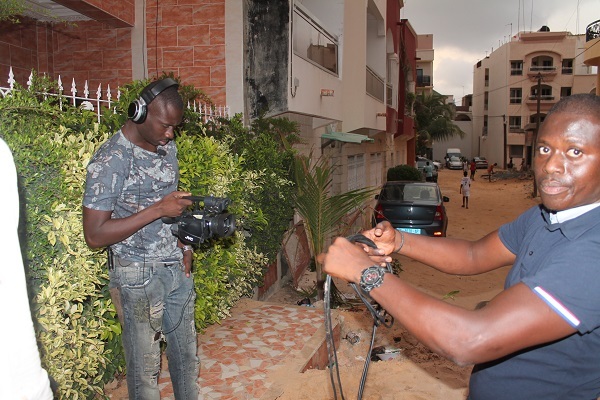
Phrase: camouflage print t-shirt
[125,179]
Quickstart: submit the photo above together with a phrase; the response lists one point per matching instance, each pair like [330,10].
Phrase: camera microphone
[161,152]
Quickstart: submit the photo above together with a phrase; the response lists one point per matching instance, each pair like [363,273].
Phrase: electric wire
[379,318]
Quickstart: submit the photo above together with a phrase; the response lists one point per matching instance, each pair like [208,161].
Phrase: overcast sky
[465,31]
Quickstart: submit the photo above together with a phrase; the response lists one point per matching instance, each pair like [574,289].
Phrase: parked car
[480,162]
[454,163]
[421,162]
[414,207]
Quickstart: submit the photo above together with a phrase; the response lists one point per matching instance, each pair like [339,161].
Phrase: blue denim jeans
[158,302]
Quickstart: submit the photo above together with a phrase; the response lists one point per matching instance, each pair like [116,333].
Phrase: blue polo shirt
[560,262]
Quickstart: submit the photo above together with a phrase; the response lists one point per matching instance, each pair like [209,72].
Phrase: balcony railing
[314,43]
[542,68]
[544,97]
[375,85]
[423,80]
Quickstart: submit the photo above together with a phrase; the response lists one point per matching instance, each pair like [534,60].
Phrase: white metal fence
[103,100]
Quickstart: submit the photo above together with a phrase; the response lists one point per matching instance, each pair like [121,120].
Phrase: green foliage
[76,323]
[322,212]
[10,9]
[263,147]
[434,121]
[404,172]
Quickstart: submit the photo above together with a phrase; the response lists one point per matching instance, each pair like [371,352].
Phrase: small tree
[322,212]
[433,119]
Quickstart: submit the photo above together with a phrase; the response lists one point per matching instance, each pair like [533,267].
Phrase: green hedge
[76,325]
[404,172]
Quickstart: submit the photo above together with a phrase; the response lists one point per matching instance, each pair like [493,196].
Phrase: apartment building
[520,81]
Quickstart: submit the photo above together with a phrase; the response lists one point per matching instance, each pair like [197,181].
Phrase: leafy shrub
[76,323]
[404,173]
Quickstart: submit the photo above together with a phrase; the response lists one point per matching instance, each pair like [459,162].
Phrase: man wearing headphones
[131,184]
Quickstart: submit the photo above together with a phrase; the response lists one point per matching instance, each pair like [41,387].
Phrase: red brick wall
[186,37]
[25,47]
[191,43]
[92,51]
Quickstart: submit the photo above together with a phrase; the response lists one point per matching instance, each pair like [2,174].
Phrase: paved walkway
[243,357]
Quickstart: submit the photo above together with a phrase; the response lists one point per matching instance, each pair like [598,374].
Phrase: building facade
[341,69]
[517,84]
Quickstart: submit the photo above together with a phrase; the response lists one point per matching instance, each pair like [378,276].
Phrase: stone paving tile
[238,356]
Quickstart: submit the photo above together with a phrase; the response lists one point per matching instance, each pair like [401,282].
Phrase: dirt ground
[416,373]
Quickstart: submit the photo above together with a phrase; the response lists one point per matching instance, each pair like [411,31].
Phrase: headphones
[138,109]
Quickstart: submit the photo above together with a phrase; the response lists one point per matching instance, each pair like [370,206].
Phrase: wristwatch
[372,277]
[187,248]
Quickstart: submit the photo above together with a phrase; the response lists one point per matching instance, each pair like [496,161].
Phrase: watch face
[372,276]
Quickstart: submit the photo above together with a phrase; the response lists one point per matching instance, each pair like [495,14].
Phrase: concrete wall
[266,56]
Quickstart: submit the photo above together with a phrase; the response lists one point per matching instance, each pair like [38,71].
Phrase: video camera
[199,224]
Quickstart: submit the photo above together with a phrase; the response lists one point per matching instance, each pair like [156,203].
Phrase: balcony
[424,81]
[546,71]
[313,43]
[375,85]
[543,98]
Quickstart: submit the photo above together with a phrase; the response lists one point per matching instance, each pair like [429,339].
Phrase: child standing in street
[465,189]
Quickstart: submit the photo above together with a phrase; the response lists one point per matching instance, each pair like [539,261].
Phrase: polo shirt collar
[574,221]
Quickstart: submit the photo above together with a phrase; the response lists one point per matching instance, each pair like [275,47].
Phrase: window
[515,151]
[375,169]
[356,172]
[533,118]
[516,94]
[486,100]
[565,91]
[567,66]
[542,64]
[485,125]
[487,77]
[514,122]
[516,67]
[546,93]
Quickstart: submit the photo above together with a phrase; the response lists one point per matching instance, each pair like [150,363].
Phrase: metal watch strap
[185,248]
[372,277]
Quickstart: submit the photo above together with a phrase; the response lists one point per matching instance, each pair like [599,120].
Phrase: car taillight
[439,214]
[379,211]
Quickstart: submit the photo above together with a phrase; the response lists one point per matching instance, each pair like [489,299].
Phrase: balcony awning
[347,137]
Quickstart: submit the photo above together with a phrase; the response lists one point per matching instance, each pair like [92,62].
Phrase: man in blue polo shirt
[540,337]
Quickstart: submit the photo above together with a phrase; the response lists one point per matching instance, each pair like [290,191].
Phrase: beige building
[425,57]
[334,68]
[524,77]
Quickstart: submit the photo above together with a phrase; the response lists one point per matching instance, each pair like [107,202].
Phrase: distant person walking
[465,189]
[491,171]
[473,168]
[428,170]
[465,164]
